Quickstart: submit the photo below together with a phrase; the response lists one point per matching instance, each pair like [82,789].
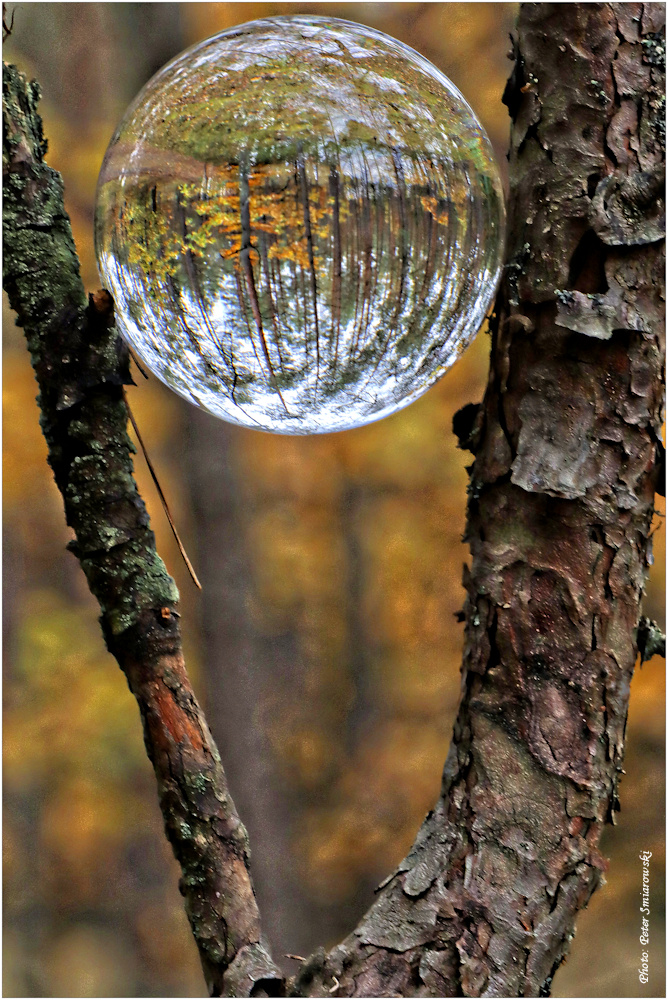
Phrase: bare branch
[81,367]
[7,28]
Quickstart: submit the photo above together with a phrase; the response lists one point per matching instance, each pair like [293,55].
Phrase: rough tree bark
[566,446]
[81,367]
[560,503]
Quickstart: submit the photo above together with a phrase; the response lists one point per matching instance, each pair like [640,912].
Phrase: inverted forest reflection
[301,224]
[324,645]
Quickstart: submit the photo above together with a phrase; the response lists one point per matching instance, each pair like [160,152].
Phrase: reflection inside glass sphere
[301,223]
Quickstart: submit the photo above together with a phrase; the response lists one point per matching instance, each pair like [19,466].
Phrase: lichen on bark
[81,367]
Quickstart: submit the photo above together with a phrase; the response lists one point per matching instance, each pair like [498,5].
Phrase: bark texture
[566,446]
[561,496]
[81,367]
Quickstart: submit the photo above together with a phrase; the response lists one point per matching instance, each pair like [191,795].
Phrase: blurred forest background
[324,644]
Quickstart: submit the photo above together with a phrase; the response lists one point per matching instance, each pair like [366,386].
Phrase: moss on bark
[81,367]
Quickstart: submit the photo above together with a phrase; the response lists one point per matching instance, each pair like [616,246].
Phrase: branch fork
[565,444]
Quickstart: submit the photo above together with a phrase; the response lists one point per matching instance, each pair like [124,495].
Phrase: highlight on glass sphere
[301,222]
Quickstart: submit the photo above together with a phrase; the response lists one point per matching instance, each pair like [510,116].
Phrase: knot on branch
[630,210]
[467,427]
[253,974]
[155,633]
[513,93]
[651,640]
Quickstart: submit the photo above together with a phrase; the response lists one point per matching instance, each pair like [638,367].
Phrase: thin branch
[7,28]
[163,498]
[81,367]
[137,362]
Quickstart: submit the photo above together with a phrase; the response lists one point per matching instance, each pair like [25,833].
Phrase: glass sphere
[301,222]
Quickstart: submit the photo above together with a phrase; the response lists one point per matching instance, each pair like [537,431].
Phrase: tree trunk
[560,503]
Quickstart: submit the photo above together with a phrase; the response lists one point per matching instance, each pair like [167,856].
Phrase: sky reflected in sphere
[301,223]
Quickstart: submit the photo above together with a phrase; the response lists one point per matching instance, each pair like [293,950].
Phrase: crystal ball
[301,223]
